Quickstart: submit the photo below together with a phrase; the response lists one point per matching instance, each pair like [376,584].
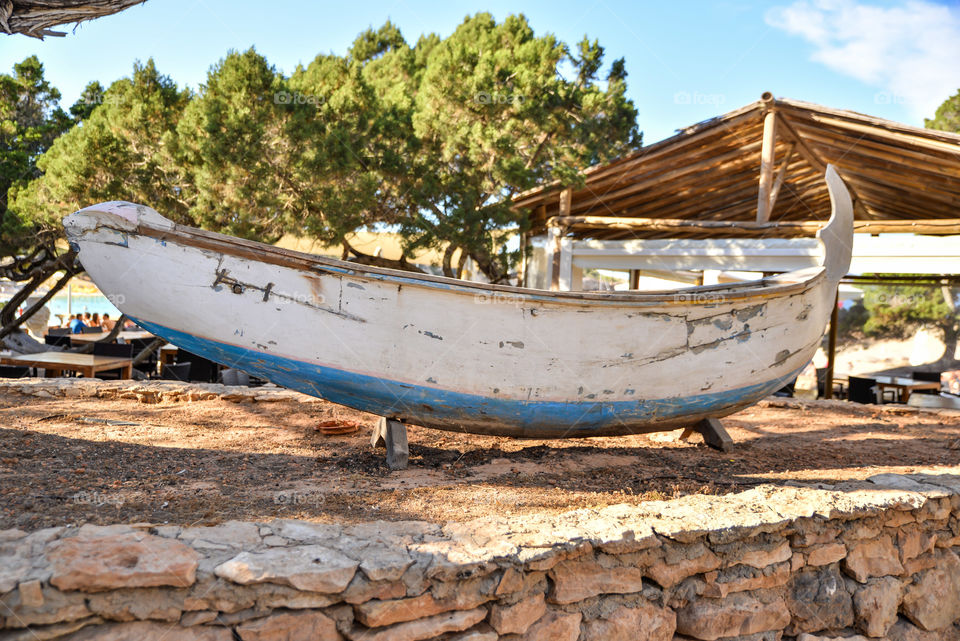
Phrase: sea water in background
[89,300]
[81,303]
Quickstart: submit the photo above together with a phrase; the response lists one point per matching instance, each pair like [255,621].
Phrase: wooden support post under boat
[392,434]
[634,279]
[713,432]
[832,348]
[767,153]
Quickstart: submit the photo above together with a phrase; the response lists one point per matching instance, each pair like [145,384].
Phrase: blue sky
[687,60]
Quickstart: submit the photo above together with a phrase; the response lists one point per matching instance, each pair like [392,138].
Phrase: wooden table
[57,362]
[903,386]
[126,335]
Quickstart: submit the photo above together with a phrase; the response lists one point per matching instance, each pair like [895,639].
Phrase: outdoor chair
[202,370]
[11,371]
[176,372]
[59,331]
[58,340]
[861,390]
[112,349]
[92,330]
[929,377]
[149,365]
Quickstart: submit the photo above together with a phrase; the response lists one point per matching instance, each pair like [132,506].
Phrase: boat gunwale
[764,288]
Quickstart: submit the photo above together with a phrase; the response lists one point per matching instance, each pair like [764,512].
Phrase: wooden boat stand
[713,432]
[392,434]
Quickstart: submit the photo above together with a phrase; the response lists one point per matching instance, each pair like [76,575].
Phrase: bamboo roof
[902,178]
[35,17]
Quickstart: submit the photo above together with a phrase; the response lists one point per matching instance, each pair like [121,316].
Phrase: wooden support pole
[832,348]
[634,279]
[522,269]
[566,198]
[767,153]
[553,247]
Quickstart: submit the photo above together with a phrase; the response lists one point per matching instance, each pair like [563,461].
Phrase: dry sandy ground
[62,462]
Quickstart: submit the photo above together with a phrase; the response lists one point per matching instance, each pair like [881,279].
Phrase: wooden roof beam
[814,159]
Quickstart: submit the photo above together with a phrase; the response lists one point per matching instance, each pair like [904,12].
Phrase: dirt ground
[70,461]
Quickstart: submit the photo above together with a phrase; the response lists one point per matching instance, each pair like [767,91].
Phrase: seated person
[107,323]
[77,325]
[95,320]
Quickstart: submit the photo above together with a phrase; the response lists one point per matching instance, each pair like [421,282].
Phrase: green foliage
[947,117]
[431,139]
[30,120]
[234,147]
[851,321]
[91,97]
[125,149]
[489,115]
[897,310]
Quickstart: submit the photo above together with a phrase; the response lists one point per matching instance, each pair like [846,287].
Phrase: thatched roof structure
[758,171]
[36,17]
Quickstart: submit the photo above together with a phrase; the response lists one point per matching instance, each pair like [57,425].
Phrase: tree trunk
[8,313]
[448,261]
[8,321]
[489,267]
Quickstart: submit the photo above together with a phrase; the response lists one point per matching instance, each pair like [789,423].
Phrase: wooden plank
[716,228]
[781,175]
[580,226]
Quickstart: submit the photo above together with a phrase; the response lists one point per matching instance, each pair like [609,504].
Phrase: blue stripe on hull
[458,411]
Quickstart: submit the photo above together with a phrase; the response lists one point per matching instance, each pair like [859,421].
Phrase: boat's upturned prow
[455,355]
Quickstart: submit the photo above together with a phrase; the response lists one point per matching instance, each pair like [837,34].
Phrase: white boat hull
[453,355]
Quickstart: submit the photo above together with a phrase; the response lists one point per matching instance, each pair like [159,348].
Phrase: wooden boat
[463,356]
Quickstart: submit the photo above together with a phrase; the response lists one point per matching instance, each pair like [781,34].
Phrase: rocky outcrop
[858,561]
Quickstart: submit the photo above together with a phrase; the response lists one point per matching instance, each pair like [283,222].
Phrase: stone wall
[150,391]
[877,559]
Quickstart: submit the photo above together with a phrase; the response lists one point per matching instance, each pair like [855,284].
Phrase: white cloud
[910,52]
